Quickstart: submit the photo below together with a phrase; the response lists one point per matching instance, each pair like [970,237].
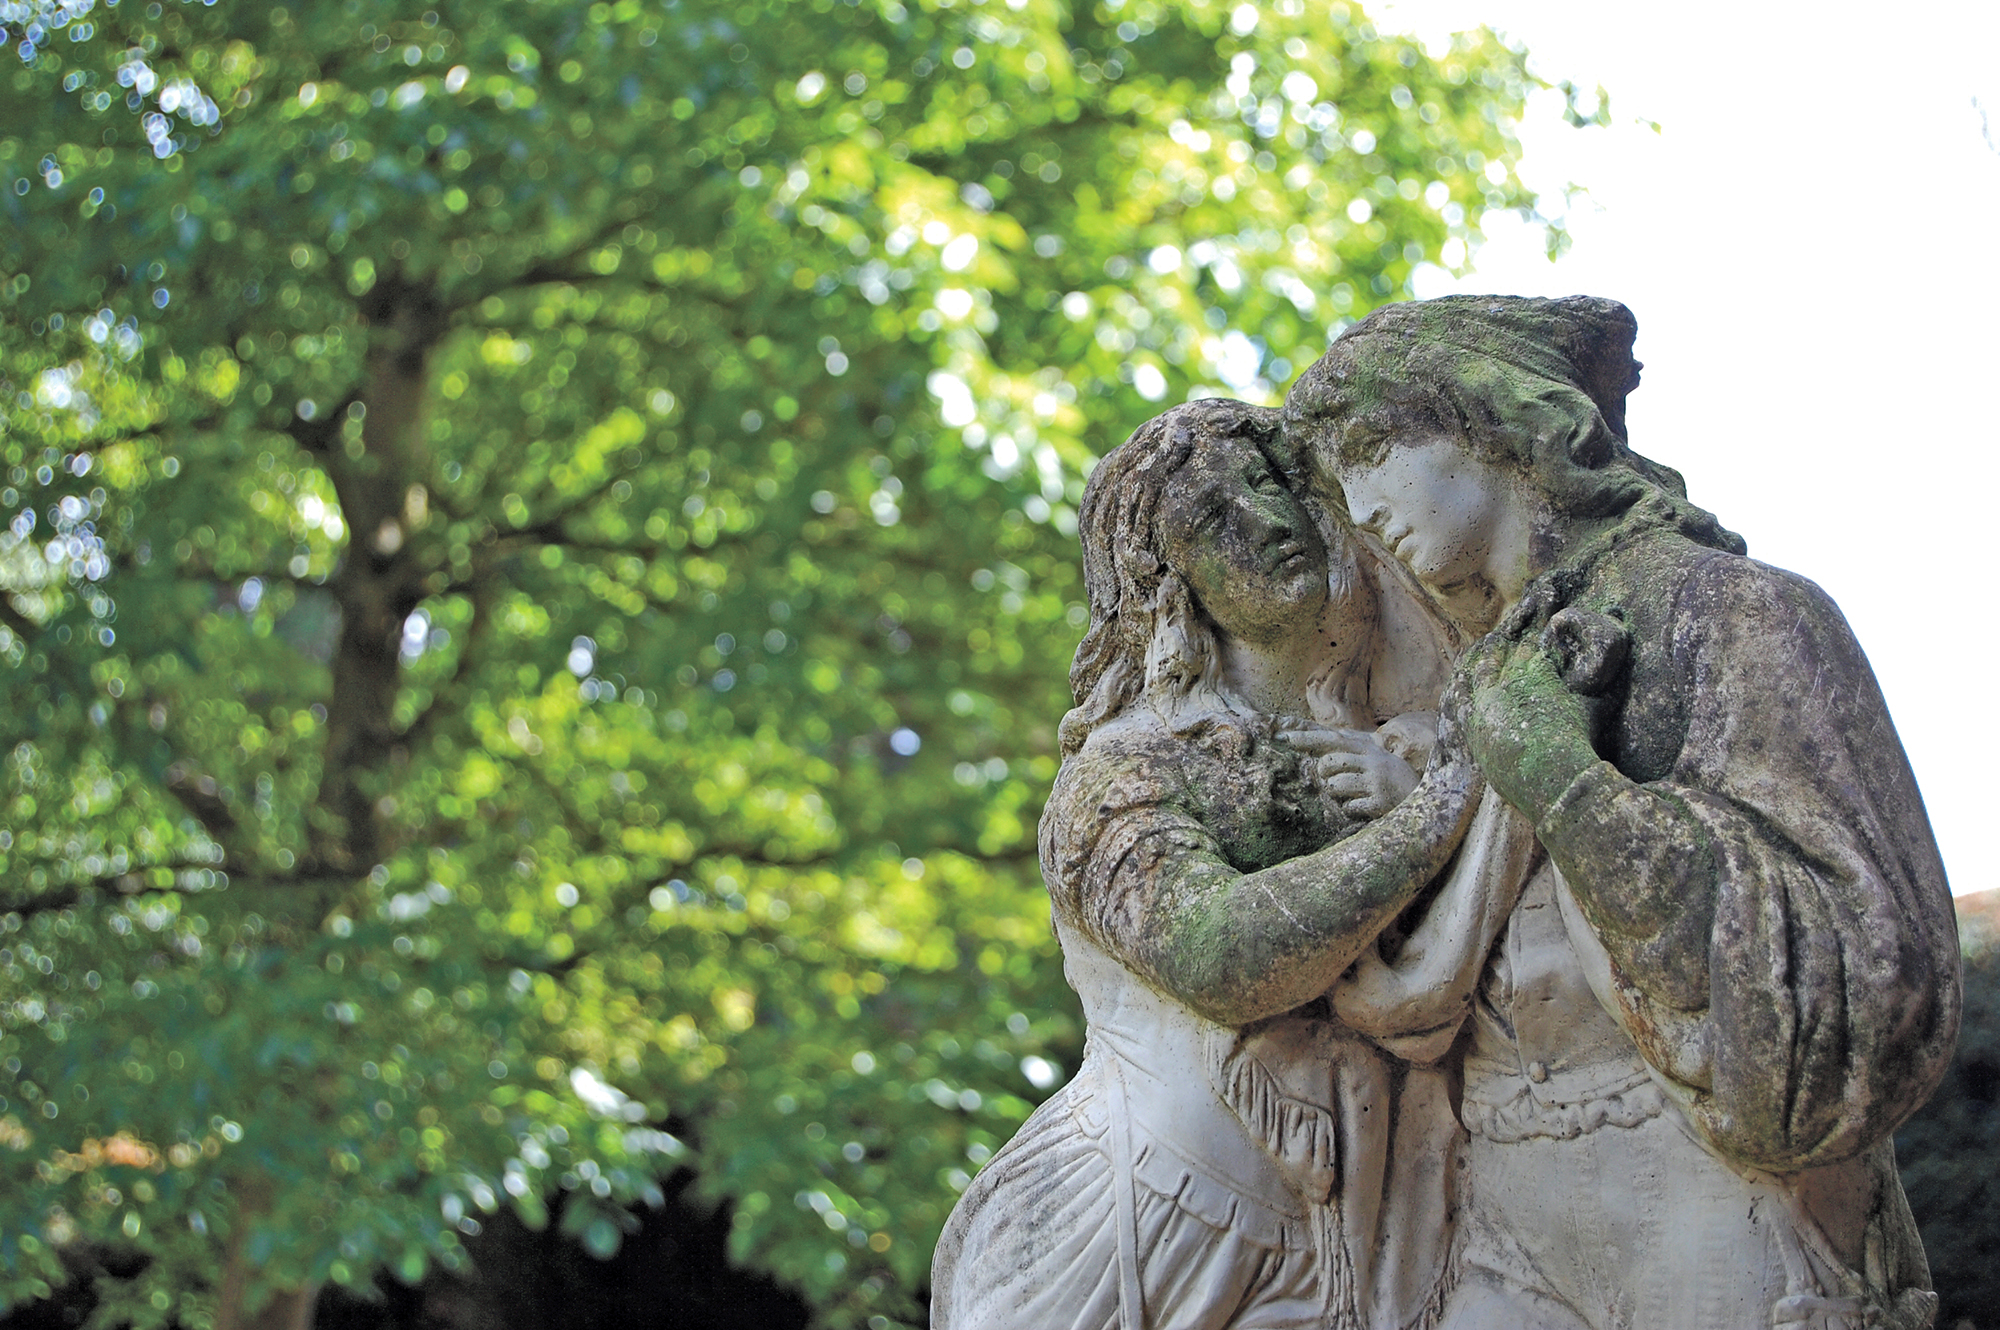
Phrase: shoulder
[1734,598]
[1128,784]
[1128,772]
[1723,595]
[1134,755]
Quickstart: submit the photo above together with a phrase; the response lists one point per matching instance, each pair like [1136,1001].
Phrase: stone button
[1537,1072]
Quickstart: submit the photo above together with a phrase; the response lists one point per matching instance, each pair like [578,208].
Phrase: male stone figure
[1732,971]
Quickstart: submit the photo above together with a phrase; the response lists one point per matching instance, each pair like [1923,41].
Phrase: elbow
[1762,1131]
[1223,975]
[1782,1136]
[1838,1141]
[1210,983]
[1231,1015]
[1234,1009]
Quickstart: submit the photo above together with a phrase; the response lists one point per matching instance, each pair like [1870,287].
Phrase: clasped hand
[1353,770]
[1529,732]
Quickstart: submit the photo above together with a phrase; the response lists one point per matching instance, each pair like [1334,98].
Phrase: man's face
[1434,505]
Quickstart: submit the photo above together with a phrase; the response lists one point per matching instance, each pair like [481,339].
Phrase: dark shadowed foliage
[1950,1151]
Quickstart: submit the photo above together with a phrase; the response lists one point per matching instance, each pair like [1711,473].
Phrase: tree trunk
[287,1309]
[283,1309]
[380,581]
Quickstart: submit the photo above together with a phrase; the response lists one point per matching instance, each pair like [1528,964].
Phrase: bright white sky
[1811,243]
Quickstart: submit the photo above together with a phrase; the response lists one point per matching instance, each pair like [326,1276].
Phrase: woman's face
[1243,542]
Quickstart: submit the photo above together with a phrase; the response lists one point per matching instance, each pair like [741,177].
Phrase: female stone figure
[1224,837]
[1733,971]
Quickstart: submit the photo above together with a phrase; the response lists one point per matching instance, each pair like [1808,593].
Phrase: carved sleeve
[1776,913]
[1128,862]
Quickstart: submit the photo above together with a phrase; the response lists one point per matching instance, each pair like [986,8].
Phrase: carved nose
[1270,524]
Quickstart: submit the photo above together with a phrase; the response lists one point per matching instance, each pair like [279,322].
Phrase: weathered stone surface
[1664,907]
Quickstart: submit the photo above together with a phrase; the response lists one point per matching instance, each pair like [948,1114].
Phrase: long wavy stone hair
[1149,638]
[1532,384]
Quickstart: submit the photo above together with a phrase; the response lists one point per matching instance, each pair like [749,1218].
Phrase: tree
[1950,1151]
[541,576]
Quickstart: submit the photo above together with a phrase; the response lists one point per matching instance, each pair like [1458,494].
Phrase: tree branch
[201,796]
[16,622]
[556,269]
[133,882]
[319,435]
[420,726]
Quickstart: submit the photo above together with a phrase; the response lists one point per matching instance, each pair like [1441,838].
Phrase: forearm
[1240,947]
[1796,993]
[1644,872]
[1429,984]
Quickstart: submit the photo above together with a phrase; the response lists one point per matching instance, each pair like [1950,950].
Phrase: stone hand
[1353,769]
[1410,736]
[1529,732]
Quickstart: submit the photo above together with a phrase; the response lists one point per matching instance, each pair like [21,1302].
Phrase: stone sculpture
[1603,1022]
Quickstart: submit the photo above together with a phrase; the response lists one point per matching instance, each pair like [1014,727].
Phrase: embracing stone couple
[1498,904]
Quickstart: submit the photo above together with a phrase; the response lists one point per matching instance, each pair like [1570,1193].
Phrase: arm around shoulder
[1128,862]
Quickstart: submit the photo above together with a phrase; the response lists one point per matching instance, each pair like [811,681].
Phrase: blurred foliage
[541,575]
[1950,1152]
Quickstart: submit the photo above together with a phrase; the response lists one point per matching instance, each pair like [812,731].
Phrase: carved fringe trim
[1522,1118]
[1303,1137]
[1432,1313]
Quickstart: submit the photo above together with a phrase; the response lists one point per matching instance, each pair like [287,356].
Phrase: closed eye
[1360,438]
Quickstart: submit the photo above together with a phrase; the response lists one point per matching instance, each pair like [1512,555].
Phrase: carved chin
[1447,574]
[1275,612]
[1472,603]
[1304,591]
